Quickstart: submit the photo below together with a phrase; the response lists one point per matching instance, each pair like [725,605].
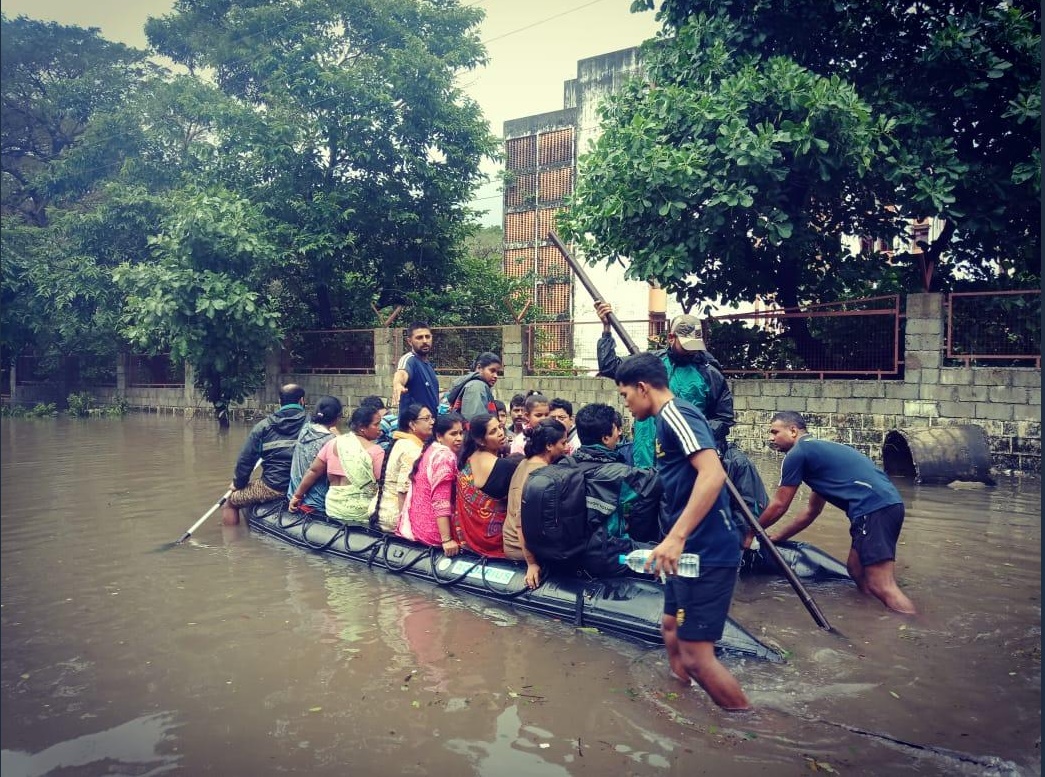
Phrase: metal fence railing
[999,327]
[157,371]
[455,348]
[329,351]
[569,347]
[69,370]
[857,338]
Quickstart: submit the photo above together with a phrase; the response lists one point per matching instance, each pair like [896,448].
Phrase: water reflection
[509,751]
[133,746]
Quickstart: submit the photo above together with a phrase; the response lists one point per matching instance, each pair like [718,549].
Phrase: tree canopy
[761,133]
[358,141]
[305,166]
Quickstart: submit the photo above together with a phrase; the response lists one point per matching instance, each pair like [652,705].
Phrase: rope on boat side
[399,570]
[454,580]
[325,546]
[300,519]
[498,591]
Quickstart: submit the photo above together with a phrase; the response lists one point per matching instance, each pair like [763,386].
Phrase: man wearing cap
[693,374]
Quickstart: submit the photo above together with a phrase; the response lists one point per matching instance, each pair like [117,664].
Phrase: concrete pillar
[269,393]
[923,343]
[514,354]
[923,354]
[189,386]
[389,345]
[121,373]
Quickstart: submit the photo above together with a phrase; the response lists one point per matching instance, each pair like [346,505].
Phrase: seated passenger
[272,441]
[502,416]
[415,428]
[517,415]
[620,496]
[389,420]
[428,509]
[321,429]
[351,463]
[535,408]
[562,411]
[483,478]
[546,443]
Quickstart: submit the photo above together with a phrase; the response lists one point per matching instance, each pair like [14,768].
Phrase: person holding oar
[272,440]
[851,482]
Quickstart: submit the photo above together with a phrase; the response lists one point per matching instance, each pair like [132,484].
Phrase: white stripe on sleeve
[677,422]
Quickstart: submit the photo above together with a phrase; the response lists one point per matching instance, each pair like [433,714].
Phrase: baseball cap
[688,331]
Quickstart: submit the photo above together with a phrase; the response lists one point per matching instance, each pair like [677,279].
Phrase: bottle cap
[622,559]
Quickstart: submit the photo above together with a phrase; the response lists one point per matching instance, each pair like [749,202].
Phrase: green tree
[64,130]
[198,301]
[476,292]
[758,138]
[358,141]
[56,83]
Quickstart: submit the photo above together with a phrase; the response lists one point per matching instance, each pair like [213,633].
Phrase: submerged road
[236,654]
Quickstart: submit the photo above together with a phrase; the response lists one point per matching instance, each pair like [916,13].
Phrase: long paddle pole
[789,573]
[214,508]
[763,538]
[582,276]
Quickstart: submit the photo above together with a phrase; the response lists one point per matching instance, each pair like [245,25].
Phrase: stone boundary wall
[1004,401]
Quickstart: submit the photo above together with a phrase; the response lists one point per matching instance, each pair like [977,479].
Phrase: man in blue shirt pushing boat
[851,482]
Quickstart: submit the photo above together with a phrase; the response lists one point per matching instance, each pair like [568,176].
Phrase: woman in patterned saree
[483,477]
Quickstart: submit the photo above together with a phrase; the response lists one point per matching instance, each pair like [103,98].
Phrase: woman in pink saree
[428,510]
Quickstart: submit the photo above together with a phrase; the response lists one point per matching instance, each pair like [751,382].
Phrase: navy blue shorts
[701,604]
[875,534]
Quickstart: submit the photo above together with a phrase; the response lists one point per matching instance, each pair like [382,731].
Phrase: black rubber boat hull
[808,562]
[628,607]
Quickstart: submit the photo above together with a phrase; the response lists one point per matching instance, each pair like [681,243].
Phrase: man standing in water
[415,381]
[695,517]
[851,482]
[272,440]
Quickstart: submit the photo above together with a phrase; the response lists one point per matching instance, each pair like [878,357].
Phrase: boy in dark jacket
[623,501]
[272,440]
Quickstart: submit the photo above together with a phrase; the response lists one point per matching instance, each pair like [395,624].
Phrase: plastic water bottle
[689,563]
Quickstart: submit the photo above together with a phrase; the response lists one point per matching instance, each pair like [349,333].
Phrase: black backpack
[555,512]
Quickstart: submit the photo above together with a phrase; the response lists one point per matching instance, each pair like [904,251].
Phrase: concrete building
[541,165]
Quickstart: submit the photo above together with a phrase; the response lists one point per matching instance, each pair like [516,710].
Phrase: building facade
[541,154]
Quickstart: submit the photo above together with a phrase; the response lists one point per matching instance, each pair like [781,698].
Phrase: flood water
[236,654]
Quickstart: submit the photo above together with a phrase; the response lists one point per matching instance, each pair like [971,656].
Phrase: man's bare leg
[700,663]
[669,630]
[856,570]
[229,515]
[881,582]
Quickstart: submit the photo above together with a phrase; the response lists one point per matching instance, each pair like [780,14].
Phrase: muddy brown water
[236,654]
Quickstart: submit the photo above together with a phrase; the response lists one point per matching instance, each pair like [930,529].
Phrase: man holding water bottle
[695,518]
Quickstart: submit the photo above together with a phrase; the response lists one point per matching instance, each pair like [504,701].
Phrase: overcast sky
[533,46]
